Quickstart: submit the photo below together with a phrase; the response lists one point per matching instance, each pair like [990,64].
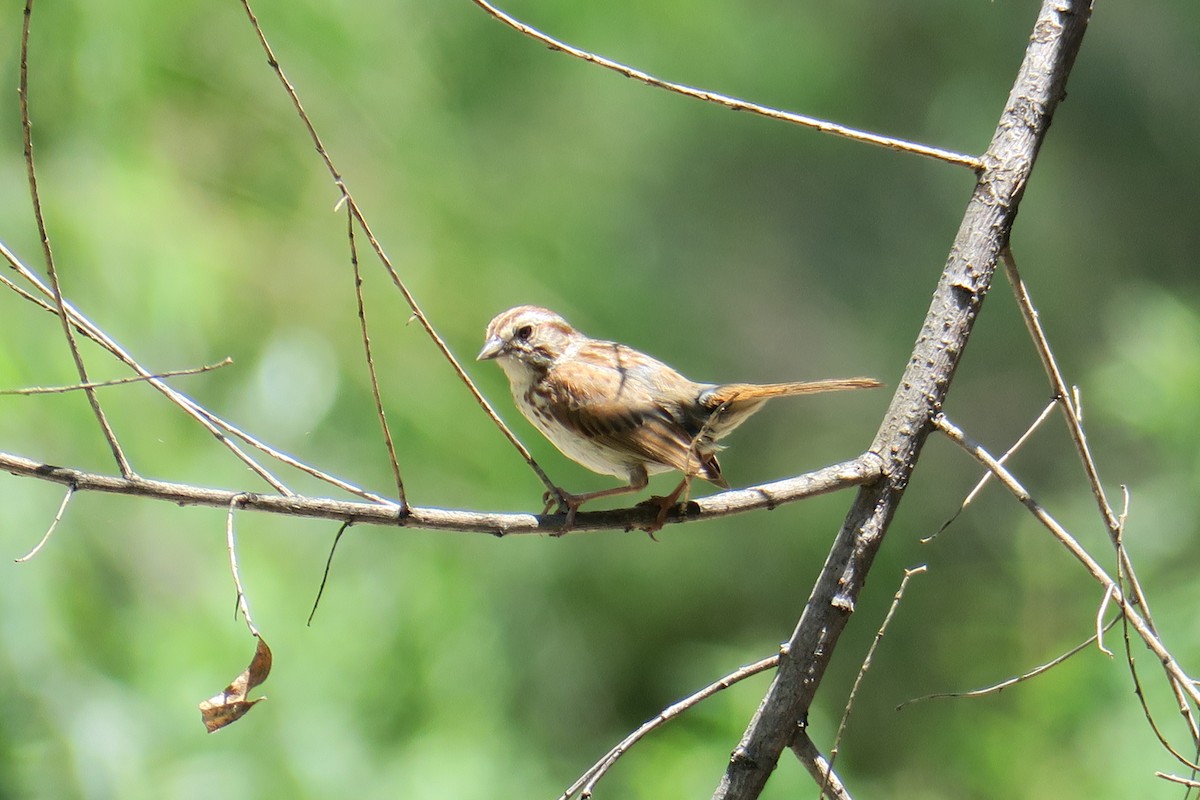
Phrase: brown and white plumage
[618,411]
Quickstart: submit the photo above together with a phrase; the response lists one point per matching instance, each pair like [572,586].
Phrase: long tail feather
[735,392]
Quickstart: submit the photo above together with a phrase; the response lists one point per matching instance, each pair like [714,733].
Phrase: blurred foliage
[192,220]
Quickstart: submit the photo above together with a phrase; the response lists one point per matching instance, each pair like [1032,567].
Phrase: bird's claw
[664,506]
[563,503]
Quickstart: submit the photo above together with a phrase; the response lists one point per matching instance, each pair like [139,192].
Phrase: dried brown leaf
[231,704]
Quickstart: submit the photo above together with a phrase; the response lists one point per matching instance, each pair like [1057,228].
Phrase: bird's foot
[664,506]
[564,503]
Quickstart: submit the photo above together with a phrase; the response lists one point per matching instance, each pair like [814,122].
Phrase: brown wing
[631,404]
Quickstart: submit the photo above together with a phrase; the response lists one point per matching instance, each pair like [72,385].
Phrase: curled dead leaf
[231,704]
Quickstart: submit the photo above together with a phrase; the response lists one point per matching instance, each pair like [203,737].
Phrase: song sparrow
[620,412]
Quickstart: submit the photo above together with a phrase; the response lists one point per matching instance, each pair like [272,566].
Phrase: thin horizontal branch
[996,688]
[116,381]
[864,469]
[1194,784]
[733,103]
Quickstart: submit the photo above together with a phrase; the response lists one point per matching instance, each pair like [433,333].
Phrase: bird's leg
[570,503]
[665,504]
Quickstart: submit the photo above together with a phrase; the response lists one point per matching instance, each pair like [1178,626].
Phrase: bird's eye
[524,332]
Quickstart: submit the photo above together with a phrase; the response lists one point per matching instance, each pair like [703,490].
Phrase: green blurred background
[193,221]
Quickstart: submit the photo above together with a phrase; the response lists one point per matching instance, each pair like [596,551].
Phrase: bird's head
[526,339]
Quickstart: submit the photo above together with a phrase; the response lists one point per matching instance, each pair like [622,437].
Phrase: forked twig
[48,253]
[1073,412]
[996,688]
[587,782]
[1176,676]
[175,373]
[366,341]
[1062,393]
[1146,712]
[350,202]
[732,103]
[987,476]
[210,421]
[93,332]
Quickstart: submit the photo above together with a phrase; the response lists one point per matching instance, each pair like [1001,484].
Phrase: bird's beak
[491,349]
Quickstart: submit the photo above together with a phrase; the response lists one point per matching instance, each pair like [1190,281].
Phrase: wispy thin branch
[1072,410]
[243,605]
[1174,671]
[337,538]
[1062,393]
[370,359]
[117,381]
[53,524]
[215,425]
[399,283]
[987,476]
[733,103]
[587,782]
[996,688]
[48,252]
[866,665]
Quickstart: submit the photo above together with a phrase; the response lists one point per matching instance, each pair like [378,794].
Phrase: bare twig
[866,665]
[325,575]
[996,688]
[210,421]
[98,336]
[1073,412]
[353,206]
[733,103]
[1131,662]
[116,381]
[366,340]
[48,253]
[819,768]
[587,782]
[1139,624]
[855,472]
[1100,612]
[231,545]
[53,524]
[1062,393]
[987,476]
[1189,782]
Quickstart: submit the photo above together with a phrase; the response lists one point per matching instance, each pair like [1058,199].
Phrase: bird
[620,412]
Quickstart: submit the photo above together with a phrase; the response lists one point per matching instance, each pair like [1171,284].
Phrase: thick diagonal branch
[939,347]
